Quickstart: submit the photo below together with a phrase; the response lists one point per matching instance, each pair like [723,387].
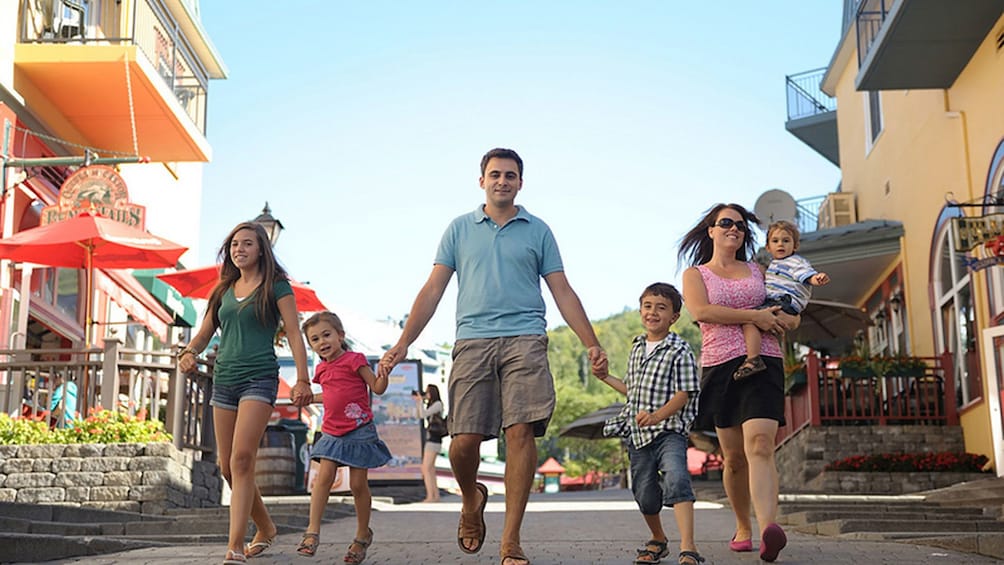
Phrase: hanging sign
[994,255]
[971,232]
[97,188]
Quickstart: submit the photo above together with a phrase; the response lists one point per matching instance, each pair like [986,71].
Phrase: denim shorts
[262,389]
[659,475]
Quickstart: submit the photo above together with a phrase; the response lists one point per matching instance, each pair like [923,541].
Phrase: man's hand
[392,357]
[597,360]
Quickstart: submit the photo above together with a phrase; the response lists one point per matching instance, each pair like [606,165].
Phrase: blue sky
[363,125]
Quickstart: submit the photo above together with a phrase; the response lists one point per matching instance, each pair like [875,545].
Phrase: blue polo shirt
[498,273]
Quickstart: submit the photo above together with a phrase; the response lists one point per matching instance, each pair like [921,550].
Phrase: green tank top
[247,346]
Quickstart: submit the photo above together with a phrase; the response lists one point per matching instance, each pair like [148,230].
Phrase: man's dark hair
[500,153]
[664,290]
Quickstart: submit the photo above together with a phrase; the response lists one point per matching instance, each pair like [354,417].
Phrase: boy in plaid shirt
[661,385]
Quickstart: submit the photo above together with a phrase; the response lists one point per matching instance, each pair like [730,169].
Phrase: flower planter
[906,372]
[856,373]
[795,380]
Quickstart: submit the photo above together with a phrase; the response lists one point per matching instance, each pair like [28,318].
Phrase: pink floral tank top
[723,342]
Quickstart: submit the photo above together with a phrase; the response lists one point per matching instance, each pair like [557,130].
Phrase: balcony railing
[141,383]
[829,399]
[154,31]
[807,213]
[805,97]
[871,14]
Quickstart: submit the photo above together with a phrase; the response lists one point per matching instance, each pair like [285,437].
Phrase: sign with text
[398,424]
[98,188]
[971,232]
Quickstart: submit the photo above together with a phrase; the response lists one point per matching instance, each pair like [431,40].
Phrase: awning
[854,256]
[182,308]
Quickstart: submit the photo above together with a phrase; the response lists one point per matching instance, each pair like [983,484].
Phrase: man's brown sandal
[512,551]
[468,529]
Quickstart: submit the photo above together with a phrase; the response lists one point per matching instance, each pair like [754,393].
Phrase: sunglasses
[727,223]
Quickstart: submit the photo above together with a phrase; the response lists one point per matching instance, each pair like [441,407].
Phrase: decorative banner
[970,232]
[398,424]
[98,188]
[995,255]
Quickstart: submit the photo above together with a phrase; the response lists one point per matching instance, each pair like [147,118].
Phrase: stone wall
[148,478]
[802,458]
[856,482]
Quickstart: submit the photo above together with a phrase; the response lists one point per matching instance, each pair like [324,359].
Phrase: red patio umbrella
[200,282]
[90,241]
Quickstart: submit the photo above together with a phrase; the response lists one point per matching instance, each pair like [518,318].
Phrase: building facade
[122,82]
[918,134]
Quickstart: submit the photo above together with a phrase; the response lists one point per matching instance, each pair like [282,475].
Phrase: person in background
[722,289]
[432,408]
[247,306]
[349,436]
[500,377]
[61,412]
[662,389]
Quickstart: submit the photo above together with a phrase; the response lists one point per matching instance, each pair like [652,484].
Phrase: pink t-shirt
[723,342]
[346,396]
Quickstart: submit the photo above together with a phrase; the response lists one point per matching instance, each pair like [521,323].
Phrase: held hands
[301,394]
[598,361]
[186,362]
[392,357]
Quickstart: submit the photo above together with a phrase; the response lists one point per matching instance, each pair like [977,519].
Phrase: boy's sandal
[234,558]
[649,555]
[690,558]
[309,548]
[512,551]
[750,366]
[356,557]
[469,529]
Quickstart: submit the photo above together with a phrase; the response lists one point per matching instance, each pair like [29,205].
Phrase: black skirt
[726,403]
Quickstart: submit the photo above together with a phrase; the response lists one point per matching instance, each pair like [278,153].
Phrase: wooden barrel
[275,466]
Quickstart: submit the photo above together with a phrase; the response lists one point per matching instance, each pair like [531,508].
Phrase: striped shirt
[651,380]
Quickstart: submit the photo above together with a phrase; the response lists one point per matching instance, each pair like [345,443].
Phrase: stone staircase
[963,517]
[46,532]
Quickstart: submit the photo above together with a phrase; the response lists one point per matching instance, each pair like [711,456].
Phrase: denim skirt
[361,448]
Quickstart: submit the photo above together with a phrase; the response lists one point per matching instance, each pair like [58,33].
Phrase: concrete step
[14,547]
[57,513]
[914,507]
[837,527]
[812,516]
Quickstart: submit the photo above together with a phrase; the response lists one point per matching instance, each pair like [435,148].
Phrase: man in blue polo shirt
[500,377]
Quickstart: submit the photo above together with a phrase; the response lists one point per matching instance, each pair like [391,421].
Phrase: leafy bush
[910,462]
[102,426]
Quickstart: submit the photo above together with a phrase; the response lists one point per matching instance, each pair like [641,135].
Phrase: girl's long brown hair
[271,271]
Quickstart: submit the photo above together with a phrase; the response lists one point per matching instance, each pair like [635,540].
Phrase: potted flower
[905,366]
[857,367]
[794,368]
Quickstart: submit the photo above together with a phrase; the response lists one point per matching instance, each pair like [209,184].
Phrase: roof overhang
[854,256]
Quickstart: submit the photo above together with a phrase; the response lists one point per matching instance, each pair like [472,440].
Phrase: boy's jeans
[659,475]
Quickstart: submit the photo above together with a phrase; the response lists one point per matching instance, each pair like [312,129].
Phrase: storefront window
[68,292]
[956,327]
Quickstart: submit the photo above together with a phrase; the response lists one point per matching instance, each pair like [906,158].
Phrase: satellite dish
[774,205]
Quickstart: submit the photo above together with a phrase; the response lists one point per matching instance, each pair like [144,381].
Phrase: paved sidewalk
[567,528]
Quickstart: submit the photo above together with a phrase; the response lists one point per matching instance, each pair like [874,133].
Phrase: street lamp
[272,225]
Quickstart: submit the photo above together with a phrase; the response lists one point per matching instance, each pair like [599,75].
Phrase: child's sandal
[309,548]
[357,557]
[750,366]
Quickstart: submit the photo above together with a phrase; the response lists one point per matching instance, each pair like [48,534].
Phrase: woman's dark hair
[269,267]
[696,247]
[433,392]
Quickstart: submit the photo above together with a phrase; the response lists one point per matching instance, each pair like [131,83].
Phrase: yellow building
[112,79]
[918,134]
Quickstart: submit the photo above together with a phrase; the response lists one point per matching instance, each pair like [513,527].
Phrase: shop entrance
[993,360]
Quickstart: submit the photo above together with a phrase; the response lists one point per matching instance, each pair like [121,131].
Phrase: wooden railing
[145,384]
[828,398]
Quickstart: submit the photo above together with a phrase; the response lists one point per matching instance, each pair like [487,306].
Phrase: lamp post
[272,225]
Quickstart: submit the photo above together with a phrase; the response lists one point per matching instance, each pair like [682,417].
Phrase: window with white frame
[873,117]
[956,321]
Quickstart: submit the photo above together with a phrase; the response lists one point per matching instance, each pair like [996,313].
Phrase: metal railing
[871,14]
[144,384]
[807,213]
[829,398]
[154,31]
[805,97]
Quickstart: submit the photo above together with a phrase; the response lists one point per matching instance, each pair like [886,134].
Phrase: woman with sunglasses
[721,289]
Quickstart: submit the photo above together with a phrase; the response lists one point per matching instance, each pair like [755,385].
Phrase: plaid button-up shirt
[651,381]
